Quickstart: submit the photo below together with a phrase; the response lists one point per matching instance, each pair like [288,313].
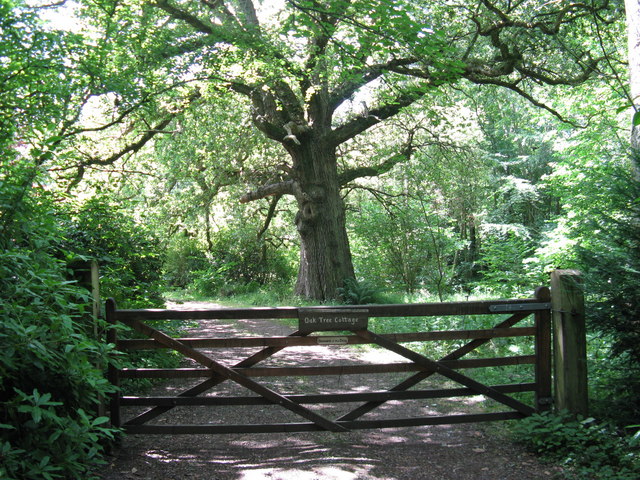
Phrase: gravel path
[458,452]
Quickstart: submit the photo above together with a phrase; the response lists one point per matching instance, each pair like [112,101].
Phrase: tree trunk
[633,27]
[325,257]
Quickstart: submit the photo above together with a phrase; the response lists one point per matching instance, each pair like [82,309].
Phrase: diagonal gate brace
[229,373]
[436,367]
[210,382]
[420,376]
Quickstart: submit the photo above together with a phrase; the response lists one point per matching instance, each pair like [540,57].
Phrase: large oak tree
[633,28]
[319,73]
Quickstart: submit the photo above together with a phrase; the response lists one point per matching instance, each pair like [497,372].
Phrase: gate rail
[420,367]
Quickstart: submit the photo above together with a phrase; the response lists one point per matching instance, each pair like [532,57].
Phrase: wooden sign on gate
[332,319]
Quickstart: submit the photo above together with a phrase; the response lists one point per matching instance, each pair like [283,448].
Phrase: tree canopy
[314,76]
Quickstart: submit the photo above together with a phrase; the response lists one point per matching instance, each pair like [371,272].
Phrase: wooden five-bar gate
[327,327]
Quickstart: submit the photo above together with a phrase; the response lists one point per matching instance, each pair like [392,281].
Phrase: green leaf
[636,119]
[100,421]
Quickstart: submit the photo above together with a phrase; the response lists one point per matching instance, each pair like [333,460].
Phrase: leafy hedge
[51,377]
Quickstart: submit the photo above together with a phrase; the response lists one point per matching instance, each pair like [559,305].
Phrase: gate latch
[520,307]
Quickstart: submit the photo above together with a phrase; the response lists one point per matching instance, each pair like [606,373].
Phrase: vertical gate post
[87,274]
[113,373]
[569,341]
[95,294]
[544,396]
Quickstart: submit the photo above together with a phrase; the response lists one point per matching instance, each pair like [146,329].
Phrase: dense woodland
[308,151]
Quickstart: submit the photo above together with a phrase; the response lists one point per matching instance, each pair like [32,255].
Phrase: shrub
[239,263]
[502,254]
[588,448]
[128,252]
[184,259]
[354,292]
[50,376]
[610,256]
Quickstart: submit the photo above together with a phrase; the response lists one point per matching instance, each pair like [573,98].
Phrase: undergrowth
[589,449]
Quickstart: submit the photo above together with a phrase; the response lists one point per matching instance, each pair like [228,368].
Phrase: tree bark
[325,256]
[633,28]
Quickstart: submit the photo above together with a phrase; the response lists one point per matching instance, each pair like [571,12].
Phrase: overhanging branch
[288,187]
[363,77]
[133,147]
[375,171]
[358,125]
[179,14]
[270,215]
[514,87]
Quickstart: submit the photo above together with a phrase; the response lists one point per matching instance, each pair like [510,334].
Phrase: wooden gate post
[569,341]
[544,396]
[95,295]
[113,374]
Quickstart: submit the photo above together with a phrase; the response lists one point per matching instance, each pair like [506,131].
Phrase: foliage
[614,383]
[597,232]
[316,77]
[354,292]
[30,58]
[238,262]
[502,256]
[51,377]
[185,257]
[612,266]
[589,449]
[179,106]
[128,252]
[416,243]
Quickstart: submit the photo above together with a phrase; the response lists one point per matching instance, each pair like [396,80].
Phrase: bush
[239,263]
[589,449]
[184,259]
[610,256]
[354,292]
[614,383]
[50,376]
[502,254]
[129,253]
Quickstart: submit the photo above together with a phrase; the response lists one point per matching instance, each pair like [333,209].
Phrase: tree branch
[327,25]
[361,78]
[176,13]
[123,114]
[135,146]
[548,23]
[240,88]
[288,187]
[249,12]
[219,6]
[270,215]
[375,115]
[558,80]
[514,87]
[293,108]
[360,172]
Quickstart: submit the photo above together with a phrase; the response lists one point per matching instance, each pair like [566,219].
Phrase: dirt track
[456,452]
